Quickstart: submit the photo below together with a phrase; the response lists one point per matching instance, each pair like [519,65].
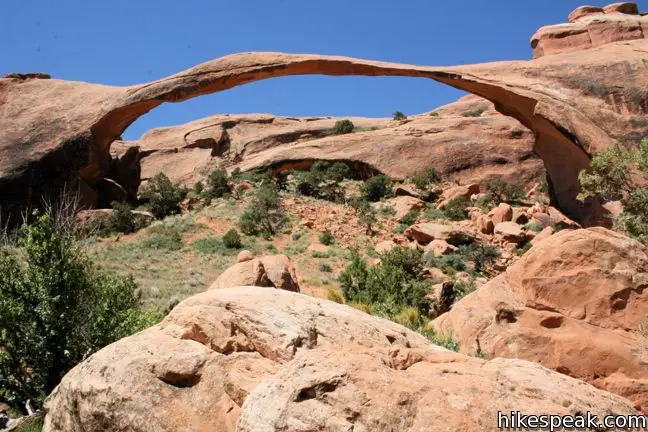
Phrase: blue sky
[123,42]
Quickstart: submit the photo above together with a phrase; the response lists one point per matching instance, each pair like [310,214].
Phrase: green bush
[399,115]
[264,215]
[120,220]
[325,267]
[424,179]
[318,254]
[323,181]
[339,171]
[56,308]
[476,112]
[394,284]
[232,239]
[499,191]
[609,177]
[408,220]
[479,253]
[198,188]
[456,209]
[163,197]
[217,184]
[343,127]
[376,188]
[366,214]
[432,213]
[170,241]
[326,238]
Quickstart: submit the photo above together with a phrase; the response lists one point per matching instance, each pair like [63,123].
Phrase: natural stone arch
[89,116]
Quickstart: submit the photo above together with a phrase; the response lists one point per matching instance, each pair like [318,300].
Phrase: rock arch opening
[564,134]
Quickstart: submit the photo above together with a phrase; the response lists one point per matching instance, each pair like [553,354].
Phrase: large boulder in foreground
[273,271]
[573,303]
[254,359]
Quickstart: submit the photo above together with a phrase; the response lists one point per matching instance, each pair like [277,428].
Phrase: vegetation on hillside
[56,308]
[619,174]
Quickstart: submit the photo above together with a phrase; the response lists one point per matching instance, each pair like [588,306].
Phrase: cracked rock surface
[257,359]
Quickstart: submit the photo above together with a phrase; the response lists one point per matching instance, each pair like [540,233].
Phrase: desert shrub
[609,177]
[334,295]
[120,220]
[264,215]
[480,253]
[408,220]
[123,220]
[429,176]
[163,196]
[391,286]
[399,116]
[326,238]
[445,341]
[534,226]
[499,191]
[376,188]
[318,254]
[408,316]
[198,188]
[343,127]
[323,181]
[523,249]
[366,214]
[362,307]
[170,241]
[432,213]
[476,112]
[325,268]
[461,288]
[232,239]
[456,209]
[217,184]
[449,264]
[386,211]
[56,308]
[339,171]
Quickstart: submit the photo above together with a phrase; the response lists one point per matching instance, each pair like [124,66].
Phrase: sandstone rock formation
[462,148]
[573,303]
[252,359]
[576,103]
[274,271]
[590,27]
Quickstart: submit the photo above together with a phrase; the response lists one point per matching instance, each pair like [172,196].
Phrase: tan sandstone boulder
[274,271]
[440,248]
[464,191]
[424,233]
[572,303]
[510,232]
[404,205]
[249,359]
[501,213]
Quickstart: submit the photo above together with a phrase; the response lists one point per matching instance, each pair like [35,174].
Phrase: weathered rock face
[590,27]
[572,303]
[575,103]
[252,359]
[463,148]
[273,271]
